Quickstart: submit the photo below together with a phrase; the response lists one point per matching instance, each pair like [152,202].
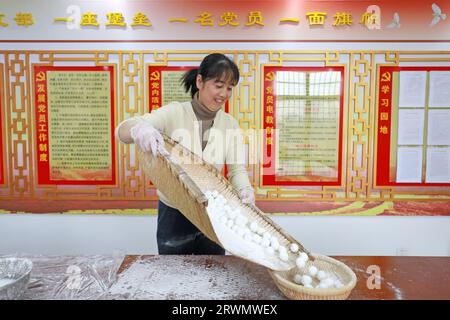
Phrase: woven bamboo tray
[184,177]
[284,280]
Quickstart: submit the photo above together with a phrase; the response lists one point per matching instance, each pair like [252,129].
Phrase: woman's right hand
[147,138]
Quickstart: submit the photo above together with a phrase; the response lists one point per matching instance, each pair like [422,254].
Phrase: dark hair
[213,66]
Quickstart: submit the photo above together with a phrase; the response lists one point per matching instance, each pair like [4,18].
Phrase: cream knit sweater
[225,144]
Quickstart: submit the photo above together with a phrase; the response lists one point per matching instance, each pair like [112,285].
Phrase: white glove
[247,195]
[147,138]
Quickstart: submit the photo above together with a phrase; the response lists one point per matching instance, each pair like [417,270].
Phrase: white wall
[103,234]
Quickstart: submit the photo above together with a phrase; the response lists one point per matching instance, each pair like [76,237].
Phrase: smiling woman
[204,128]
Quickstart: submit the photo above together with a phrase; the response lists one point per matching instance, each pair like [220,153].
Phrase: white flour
[199,277]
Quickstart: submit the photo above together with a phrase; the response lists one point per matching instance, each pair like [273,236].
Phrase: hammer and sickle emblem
[40,76]
[270,76]
[155,76]
[386,77]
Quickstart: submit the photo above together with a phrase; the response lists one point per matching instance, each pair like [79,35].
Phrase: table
[221,277]
[400,278]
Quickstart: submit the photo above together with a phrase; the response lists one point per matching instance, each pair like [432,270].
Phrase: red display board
[385,171]
[271,123]
[51,173]
[2,154]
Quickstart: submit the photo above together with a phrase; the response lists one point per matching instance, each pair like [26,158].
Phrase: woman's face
[213,93]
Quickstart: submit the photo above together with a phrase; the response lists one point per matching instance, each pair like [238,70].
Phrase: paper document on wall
[410,126]
[439,89]
[438,165]
[438,127]
[412,89]
[409,164]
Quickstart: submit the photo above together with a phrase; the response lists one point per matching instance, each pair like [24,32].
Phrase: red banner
[48,172]
[2,159]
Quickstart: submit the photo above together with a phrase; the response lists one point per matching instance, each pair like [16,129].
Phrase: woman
[204,128]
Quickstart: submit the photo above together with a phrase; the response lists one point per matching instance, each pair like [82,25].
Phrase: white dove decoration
[395,23]
[437,14]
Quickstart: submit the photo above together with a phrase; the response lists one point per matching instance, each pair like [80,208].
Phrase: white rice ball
[338,284]
[321,275]
[282,249]
[230,223]
[270,250]
[312,271]
[247,237]
[293,247]
[231,214]
[303,256]
[322,285]
[240,220]
[298,279]
[208,194]
[300,262]
[215,193]
[240,232]
[306,279]
[254,226]
[328,282]
[257,239]
[284,256]
[265,243]
[266,235]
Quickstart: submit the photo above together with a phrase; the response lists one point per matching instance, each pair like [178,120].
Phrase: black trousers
[175,234]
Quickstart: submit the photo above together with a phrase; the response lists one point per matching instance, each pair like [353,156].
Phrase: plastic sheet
[71,277]
[14,277]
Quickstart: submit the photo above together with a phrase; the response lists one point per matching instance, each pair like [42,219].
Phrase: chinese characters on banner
[74,110]
[226,20]
[204,19]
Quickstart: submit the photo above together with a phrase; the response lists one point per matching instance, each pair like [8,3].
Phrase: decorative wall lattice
[361,69]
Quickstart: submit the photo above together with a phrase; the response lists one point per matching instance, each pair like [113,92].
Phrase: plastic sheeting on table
[71,277]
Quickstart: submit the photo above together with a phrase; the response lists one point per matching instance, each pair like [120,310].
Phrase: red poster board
[2,154]
[270,177]
[385,85]
[42,128]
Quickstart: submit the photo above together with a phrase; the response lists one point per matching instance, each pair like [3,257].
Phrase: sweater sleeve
[235,157]
[156,118]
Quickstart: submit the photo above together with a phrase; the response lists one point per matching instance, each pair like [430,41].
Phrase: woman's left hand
[247,195]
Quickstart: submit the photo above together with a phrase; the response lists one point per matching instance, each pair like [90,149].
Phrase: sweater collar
[202,112]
